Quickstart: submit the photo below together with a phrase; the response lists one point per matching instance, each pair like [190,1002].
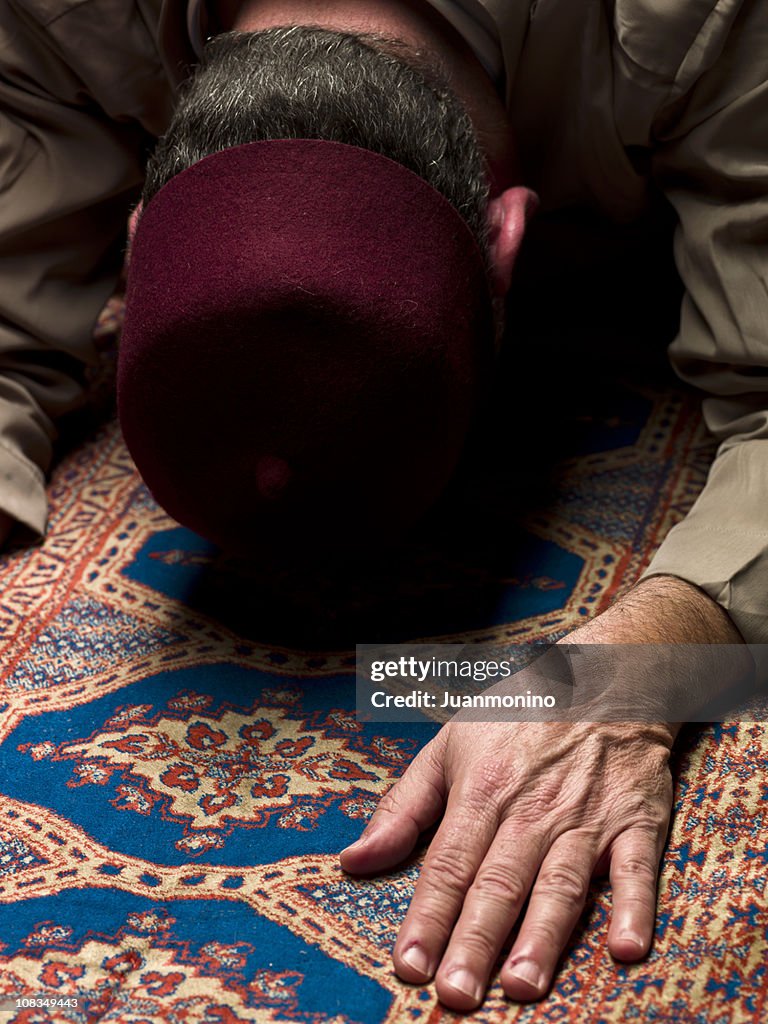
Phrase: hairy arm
[662,610]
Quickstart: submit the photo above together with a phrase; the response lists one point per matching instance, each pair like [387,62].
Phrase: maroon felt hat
[308,327]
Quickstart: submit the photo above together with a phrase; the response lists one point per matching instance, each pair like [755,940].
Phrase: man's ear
[508,215]
[133,221]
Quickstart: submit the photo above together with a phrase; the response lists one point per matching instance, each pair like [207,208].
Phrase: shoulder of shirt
[46,12]
[676,41]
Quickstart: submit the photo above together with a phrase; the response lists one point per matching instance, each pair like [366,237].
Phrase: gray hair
[310,83]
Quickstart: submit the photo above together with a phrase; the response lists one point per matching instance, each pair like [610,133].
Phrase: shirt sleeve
[68,175]
[713,167]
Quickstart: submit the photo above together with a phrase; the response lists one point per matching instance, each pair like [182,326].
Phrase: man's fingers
[413,804]
[492,906]
[634,872]
[449,868]
[556,902]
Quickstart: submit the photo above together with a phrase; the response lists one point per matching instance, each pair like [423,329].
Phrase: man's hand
[529,808]
[534,810]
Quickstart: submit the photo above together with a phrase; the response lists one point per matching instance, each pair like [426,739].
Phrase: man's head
[381,98]
[308,83]
[416,94]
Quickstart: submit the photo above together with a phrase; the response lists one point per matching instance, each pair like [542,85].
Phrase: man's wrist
[663,610]
[680,651]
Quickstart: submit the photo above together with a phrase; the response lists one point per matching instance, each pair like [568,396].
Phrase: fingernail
[355,846]
[463,981]
[364,839]
[633,937]
[417,960]
[527,971]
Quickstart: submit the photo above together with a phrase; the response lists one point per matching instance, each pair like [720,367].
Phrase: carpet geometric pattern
[179,770]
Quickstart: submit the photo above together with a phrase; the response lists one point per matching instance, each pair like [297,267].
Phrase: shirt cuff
[722,544]
[22,491]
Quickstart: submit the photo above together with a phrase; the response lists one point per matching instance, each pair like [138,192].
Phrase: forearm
[671,657]
[663,610]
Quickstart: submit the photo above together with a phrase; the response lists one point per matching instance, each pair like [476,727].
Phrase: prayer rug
[182,762]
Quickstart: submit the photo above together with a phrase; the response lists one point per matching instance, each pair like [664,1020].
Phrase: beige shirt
[608,98]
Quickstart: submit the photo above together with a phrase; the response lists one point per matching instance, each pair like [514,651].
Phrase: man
[592,104]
